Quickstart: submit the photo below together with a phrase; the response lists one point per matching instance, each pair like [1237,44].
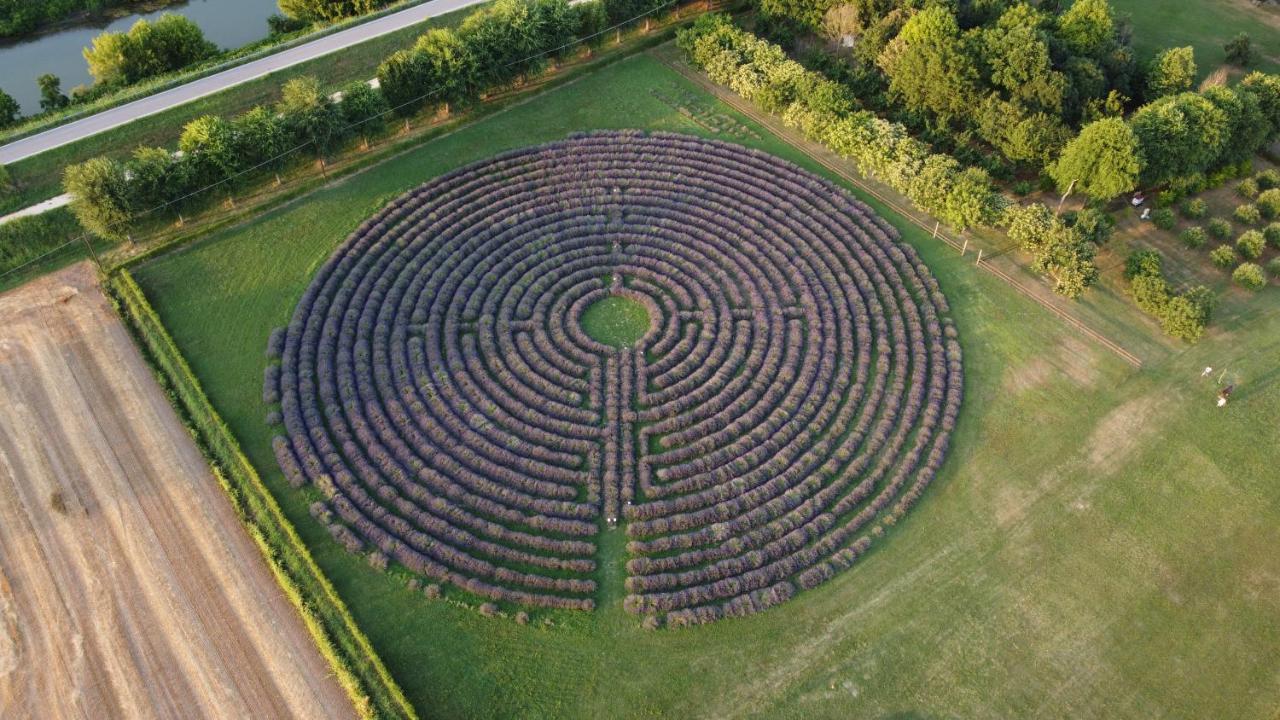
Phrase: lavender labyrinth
[792,396]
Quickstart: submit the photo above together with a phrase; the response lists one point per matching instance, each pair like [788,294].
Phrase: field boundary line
[357,666]
[769,122]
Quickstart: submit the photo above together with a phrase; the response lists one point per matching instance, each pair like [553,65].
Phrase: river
[226,23]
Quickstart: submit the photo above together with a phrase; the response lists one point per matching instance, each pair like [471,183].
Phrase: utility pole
[84,237]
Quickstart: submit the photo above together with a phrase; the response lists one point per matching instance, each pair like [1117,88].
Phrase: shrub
[1248,214]
[1022,188]
[1251,244]
[1220,229]
[1249,275]
[1240,50]
[1269,203]
[1248,188]
[1195,209]
[1142,262]
[1164,219]
[1272,234]
[1194,237]
[1274,266]
[1183,316]
[1268,179]
[1224,256]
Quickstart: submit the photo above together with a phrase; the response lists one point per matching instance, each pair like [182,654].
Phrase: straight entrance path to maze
[128,586]
[665,55]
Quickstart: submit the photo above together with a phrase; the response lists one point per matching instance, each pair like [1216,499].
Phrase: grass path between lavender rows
[1100,542]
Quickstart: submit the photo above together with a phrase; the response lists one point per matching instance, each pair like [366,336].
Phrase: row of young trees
[761,72]
[111,195]
[493,47]
[936,183]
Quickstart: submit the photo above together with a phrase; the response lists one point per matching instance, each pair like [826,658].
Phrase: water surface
[226,23]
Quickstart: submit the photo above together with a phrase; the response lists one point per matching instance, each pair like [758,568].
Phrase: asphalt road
[159,102]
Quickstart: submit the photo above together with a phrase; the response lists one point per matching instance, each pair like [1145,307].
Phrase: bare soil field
[128,587]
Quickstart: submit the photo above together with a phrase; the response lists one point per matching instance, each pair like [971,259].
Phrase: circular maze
[791,396]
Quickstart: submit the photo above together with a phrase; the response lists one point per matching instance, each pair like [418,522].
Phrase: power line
[390,110]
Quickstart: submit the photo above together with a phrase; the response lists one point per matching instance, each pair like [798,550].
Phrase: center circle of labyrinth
[616,320]
[791,396]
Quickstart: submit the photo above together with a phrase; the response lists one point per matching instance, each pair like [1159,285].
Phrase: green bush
[1195,209]
[1248,214]
[821,109]
[1249,275]
[1023,188]
[1268,179]
[1169,198]
[1248,188]
[1274,266]
[1194,237]
[1272,234]
[28,238]
[1224,256]
[1220,229]
[1251,244]
[1269,203]
[1182,316]
[1142,262]
[1164,219]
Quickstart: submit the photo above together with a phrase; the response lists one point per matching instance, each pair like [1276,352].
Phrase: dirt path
[128,588]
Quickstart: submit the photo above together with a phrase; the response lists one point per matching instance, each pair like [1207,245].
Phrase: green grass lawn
[1101,542]
[616,320]
[1206,25]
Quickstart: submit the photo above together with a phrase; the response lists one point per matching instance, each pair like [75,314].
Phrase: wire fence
[277,159]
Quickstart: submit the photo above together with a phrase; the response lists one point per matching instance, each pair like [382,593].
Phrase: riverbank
[87,18]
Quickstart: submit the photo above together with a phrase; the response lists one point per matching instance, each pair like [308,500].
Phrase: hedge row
[29,238]
[761,72]
[358,668]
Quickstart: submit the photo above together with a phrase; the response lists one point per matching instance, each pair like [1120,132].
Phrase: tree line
[935,182]
[492,48]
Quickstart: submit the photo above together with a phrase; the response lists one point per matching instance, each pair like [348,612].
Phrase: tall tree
[1016,51]
[1171,72]
[1088,27]
[51,96]
[10,111]
[1102,161]
[929,67]
[100,196]
[309,114]
[1179,135]
[209,146]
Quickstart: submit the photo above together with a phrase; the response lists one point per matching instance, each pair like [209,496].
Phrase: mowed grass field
[1206,25]
[1100,544]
